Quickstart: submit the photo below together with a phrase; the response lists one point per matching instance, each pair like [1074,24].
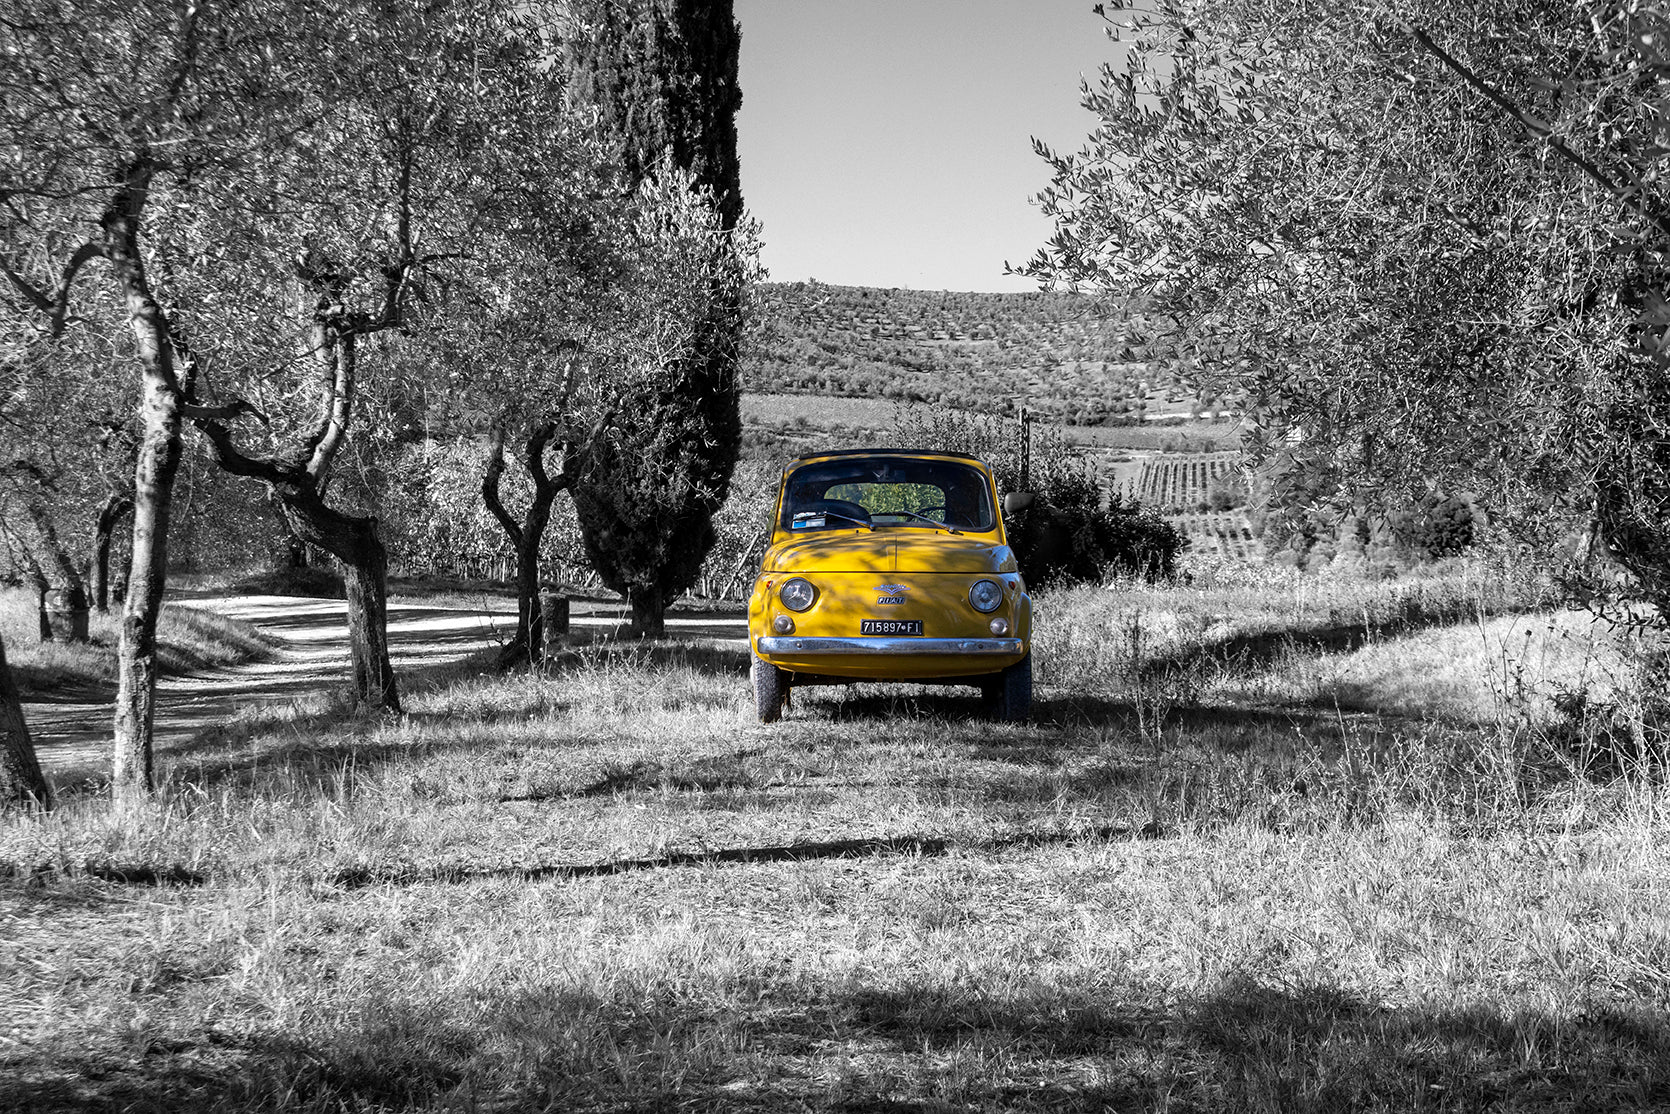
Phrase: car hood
[912,551]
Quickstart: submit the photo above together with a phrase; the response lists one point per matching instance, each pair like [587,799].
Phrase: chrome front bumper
[794,647]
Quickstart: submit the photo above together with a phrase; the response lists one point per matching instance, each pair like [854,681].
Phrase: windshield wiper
[870,526]
[943,526]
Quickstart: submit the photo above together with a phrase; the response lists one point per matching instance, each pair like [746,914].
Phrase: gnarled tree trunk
[296,481]
[366,580]
[355,543]
[527,536]
[21,781]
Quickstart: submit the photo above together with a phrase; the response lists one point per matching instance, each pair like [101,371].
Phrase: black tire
[1009,694]
[769,691]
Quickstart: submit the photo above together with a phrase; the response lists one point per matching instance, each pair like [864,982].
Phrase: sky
[889,142]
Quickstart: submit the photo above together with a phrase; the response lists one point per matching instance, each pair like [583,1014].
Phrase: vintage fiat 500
[890,565]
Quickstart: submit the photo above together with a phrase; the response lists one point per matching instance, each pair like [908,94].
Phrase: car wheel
[1009,695]
[769,691]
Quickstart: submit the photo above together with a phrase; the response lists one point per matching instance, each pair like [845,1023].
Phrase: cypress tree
[662,76]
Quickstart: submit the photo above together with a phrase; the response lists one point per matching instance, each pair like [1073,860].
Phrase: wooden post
[553,609]
[1026,449]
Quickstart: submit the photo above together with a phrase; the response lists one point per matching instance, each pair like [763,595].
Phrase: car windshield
[877,491]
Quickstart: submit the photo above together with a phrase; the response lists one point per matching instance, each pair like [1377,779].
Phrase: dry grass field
[1271,843]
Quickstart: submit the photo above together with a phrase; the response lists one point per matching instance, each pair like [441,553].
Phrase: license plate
[889,626]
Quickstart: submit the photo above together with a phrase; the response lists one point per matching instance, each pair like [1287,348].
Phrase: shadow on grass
[922,1047]
[140,874]
[914,845]
[1232,728]
[1259,649]
[703,774]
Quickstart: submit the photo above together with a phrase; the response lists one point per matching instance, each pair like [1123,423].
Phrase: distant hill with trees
[1075,358]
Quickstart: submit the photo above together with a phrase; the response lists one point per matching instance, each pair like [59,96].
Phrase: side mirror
[1017,501]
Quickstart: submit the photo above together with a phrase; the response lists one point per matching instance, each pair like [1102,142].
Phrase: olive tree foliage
[1423,244]
[273,196]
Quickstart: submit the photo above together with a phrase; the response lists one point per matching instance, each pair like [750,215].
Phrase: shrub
[1074,534]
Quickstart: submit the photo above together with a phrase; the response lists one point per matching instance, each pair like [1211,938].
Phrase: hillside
[1067,356]
[835,365]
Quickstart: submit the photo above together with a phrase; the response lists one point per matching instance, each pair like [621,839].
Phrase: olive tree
[440,142]
[1420,243]
[105,108]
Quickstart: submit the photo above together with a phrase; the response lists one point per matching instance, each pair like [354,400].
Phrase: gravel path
[312,635]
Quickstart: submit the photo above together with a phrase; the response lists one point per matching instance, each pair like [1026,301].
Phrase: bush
[1072,535]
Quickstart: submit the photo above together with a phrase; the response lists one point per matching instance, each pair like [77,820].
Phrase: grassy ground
[189,639]
[1269,844]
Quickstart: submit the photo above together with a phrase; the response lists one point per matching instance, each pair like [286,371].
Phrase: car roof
[888,452]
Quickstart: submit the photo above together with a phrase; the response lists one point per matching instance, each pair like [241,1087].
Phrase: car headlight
[985,595]
[797,594]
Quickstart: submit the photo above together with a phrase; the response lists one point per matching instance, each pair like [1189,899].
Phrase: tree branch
[576,454]
[56,305]
[534,456]
[490,484]
[334,421]
[234,461]
[1632,196]
[225,412]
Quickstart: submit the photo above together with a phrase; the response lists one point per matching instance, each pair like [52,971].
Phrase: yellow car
[890,565]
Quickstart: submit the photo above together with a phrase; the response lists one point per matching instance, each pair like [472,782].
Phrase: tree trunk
[21,782]
[649,614]
[99,567]
[355,543]
[292,554]
[365,575]
[530,614]
[528,535]
[133,777]
[42,623]
[158,460]
[64,598]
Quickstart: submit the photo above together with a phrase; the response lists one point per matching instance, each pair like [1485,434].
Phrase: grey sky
[887,142]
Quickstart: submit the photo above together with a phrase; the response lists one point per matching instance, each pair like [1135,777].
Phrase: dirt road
[73,737]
